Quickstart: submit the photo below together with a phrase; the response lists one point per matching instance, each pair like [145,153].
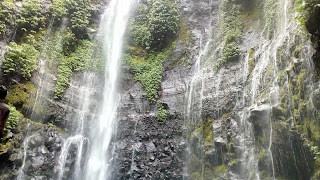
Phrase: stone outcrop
[214,116]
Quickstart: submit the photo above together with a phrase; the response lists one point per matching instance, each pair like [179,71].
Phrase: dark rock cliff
[253,118]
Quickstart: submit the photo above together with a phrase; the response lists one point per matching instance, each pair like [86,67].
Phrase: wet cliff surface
[249,115]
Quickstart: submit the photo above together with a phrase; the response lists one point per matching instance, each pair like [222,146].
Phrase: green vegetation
[162,112]
[19,94]
[156,24]
[58,10]
[21,59]
[220,170]
[306,9]
[76,61]
[13,119]
[184,34]
[251,62]
[7,17]
[232,27]
[30,16]
[79,15]
[153,30]
[77,11]
[149,71]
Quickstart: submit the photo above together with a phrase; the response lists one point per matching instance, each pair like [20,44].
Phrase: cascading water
[267,62]
[112,27]
[42,92]
[76,143]
[25,148]
[44,72]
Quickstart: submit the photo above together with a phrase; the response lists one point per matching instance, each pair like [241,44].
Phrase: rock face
[252,118]
[30,151]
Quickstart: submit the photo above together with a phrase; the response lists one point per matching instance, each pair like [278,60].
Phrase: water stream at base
[20,175]
[112,28]
[76,143]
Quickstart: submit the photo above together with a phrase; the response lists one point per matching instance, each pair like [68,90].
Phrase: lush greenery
[77,11]
[153,30]
[148,70]
[76,61]
[156,23]
[13,119]
[30,16]
[7,17]
[232,27]
[19,94]
[306,9]
[21,59]
[162,112]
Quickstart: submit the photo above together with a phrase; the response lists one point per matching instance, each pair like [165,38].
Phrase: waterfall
[267,62]
[77,142]
[112,28]
[20,175]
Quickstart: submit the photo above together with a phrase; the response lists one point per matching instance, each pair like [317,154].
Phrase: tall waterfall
[112,29]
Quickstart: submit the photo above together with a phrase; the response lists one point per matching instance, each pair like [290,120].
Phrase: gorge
[161,89]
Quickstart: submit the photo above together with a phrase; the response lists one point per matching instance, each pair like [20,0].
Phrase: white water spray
[113,27]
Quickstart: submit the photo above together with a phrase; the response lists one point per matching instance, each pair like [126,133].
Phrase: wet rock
[151,147]
[37,162]
[316,98]
[260,115]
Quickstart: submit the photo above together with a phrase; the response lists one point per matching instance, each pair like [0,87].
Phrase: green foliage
[62,42]
[69,42]
[305,8]
[162,112]
[19,94]
[13,119]
[58,9]
[153,29]
[79,14]
[30,16]
[232,28]
[149,71]
[20,58]
[7,16]
[220,170]
[76,61]
[156,22]
[77,11]
[184,34]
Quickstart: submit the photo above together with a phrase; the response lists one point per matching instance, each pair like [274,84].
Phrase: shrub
[79,13]
[156,23]
[58,10]
[309,11]
[270,15]
[148,71]
[7,16]
[13,119]
[20,58]
[31,17]
[162,112]
[76,61]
